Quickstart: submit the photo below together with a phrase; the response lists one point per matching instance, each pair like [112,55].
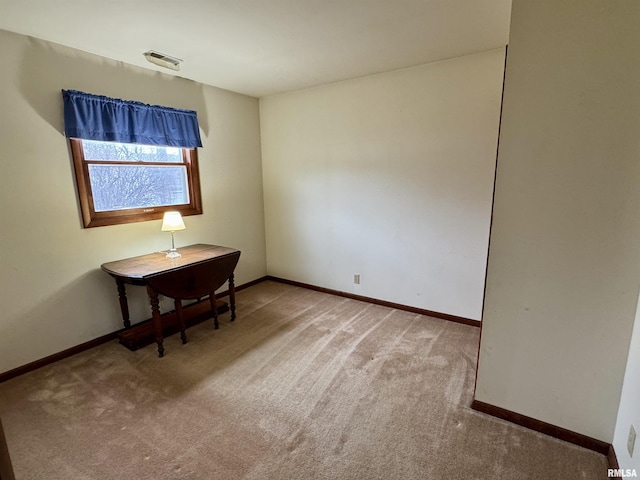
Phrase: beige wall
[564,272]
[52,294]
[389,177]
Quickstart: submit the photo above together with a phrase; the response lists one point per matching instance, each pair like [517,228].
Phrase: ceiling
[262,47]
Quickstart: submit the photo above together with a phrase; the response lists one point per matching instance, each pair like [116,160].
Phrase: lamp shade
[172,222]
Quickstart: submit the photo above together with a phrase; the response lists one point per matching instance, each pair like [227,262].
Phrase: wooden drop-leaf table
[198,273]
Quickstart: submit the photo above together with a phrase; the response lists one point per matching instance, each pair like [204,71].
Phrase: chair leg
[214,309]
[183,335]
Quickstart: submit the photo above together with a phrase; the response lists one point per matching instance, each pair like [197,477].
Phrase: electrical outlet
[356,279]
[631,440]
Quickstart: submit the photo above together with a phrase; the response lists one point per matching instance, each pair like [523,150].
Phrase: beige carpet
[303,385]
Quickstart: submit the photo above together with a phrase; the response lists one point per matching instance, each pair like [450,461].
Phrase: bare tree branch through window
[120,183]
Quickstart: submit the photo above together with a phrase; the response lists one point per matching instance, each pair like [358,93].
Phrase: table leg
[178,303]
[214,309]
[124,306]
[156,320]
[232,298]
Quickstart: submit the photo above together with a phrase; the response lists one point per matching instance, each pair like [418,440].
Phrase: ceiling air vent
[163,60]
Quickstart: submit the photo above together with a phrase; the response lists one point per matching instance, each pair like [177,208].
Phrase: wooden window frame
[91,218]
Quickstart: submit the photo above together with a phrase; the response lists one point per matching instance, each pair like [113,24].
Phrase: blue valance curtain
[96,117]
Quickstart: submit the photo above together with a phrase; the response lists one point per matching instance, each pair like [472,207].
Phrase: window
[132,161]
[124,182]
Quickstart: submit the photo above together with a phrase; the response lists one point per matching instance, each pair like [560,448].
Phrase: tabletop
[154,263]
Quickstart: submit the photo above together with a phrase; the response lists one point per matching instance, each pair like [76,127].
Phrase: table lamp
[172,222]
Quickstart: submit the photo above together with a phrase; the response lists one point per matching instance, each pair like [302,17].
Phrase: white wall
[563,273]
[389,177]
[52,294]
[629,411]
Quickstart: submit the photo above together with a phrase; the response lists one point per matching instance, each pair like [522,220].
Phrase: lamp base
[173,254]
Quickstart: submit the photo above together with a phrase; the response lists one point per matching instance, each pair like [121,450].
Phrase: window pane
[130,152]
[118,187]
